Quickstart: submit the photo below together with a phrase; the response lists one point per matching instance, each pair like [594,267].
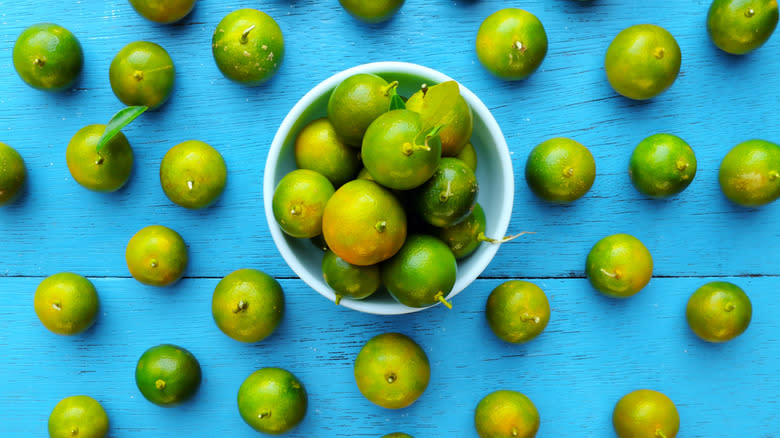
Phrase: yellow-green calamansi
[142,73]
[13,174]
[248,47]
[750,173]
[78,416]
[272,401]
[156,255]
[66,303]
[741,26]
[193,174]
[511,43]
[104,171]
[48,57]
[163,11]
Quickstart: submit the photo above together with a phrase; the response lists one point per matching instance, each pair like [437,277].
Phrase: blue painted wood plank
[593,351]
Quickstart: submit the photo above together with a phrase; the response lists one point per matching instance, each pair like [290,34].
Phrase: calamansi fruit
[458,123]
[156,255]
[375,11]
[272,401]
[78,416]
[511,43]
[449,194]
[355,103]
[517,311]
[348,280]
[13,174]
[719,311]
[66,303]
[741,26]
[422,273]
[104,171]
[364,223]
[318,148]
[299,202]
[619,265]
[750,173]
[642,61]
[392,370]
[142,73]
[48,57]
[662,165]
[645,413]
[394,152]
[464,237]
[469,156]
[248,47]
[167,375]
[248,305]
[397,435]
[560,170]
[193,174]
[163,11]
[506,414]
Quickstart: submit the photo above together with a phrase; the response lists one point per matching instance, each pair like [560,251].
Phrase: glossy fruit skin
[142,73]
[642,61]
[48,57]
[645,413]
[458,124]
[375,11]
[422,272]
[156,256]
[81,414]
[299,202]
[662,165]
[506,414]
[392,370]
[167,375]
[469,156]
[264,43]
[163,11]
[517,311]
[560,170]
[364,223]
[741,26]
[272,401]
[248,305]
[13,174]
[511,43]
[719,311]
[348,280]
[749,174]
[197,162]
[463,238]
[355,103]
[106,171]
[66,303]
[619,266]
[318,148]
[391,155]
[449,195]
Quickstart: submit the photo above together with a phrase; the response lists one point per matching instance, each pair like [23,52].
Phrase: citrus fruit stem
[190,184]
[658,52]
[295,210]
[750,12]
[39,62]
[153,263]
[240,306]
[528,318]
[57,305]
[338,299]
[408,148]
[617,275]
[74,431]
[391,378]
[424,89]
[381,226]
[245,35]
[773,175]
[445,195]
[263,415]
[660,434]
[482,238]
[681,166]
[160,384]
[568,172]
[515,432]
[138,75]
[729,307]
[100,160]
[440,297]
[389,87]
[519,46]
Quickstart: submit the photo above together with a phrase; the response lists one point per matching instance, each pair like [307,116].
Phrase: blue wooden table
[594,350]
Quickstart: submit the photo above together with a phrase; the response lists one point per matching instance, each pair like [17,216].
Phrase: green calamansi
[741,26]
[511,43]
[750,173]
[163,11]
[142,73]
[248,47]
[193,174]
[662,165]
[48,57]
[13,174]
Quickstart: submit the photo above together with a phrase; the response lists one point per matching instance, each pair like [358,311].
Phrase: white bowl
[494,174]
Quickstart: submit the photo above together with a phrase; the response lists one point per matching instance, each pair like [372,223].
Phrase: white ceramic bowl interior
[494,174]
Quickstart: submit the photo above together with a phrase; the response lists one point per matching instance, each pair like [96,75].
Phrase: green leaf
[396,101]
[119,121]
[437,102]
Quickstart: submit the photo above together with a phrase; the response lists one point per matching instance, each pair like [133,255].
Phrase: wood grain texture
[594,350]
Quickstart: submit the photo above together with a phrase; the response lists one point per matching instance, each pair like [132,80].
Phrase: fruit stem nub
[295,210]
[245,35]
[660,434]
[57,305]
[617,275]
[138,75]
[482,238]
[100,160]
[39,62]
[729,307]
[773,175]
[263,415]
[74,431]
[681,165]
[338,299]
[389,87]
[518,45]
[440,298]
[381,226]
[153,263]
[190,184]
[424,89]
[240,306]
[568,172]
[659,52]
[750,12]
[391,378]
[160,384]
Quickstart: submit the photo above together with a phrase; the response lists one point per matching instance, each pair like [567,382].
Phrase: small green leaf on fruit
[396,101]
[437,102]
[119,121]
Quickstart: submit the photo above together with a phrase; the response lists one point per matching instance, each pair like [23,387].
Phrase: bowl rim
[300,107]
